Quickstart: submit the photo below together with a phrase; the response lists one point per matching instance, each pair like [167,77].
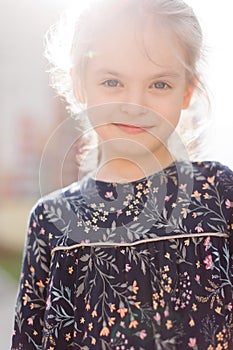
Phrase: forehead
[136,44]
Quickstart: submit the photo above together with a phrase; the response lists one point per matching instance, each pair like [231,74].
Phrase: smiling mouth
[132,129]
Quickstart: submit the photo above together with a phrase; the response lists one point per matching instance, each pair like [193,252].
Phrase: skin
[135,87]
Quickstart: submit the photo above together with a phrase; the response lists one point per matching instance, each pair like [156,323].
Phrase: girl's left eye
[111,83]
[160,85]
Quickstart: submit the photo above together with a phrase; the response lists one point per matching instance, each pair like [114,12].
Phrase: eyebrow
[162,74]
[166,74]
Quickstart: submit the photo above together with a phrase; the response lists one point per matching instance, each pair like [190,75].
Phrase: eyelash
[165,85]
[116,84]
[106,83]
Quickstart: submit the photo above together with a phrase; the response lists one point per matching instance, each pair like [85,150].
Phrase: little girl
[138,253]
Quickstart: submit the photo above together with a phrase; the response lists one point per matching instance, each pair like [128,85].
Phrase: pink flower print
[209,262]
[228,204]
[166,313]
[34,224]
[127,267]
[86,241]
[229,307]
[108,195]
[197,279]
[192,342]
[48,302]
[30,321]
[119,212]
[142,334]
[167,198]
[199,229]
[157,317]
[207,243]
[42,231]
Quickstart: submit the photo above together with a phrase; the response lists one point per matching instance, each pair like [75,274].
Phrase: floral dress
[131,266]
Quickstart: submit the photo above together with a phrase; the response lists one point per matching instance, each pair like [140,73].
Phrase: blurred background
[30,112]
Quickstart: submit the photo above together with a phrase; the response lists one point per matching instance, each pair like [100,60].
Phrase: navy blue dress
[132,266]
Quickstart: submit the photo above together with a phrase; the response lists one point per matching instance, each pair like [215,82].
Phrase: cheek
[106,133]
[102,130]
[170,109]
[170,114]
[101,115]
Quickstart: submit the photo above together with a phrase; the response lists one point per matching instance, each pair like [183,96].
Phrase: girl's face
[139,84]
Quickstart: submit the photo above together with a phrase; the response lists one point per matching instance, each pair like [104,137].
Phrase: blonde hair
[68,44]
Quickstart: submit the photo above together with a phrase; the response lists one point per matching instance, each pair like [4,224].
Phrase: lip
[131,129]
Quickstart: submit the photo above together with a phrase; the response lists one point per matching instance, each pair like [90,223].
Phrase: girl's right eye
[112,83]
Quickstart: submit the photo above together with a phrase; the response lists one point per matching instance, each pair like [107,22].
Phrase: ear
[188,95]
[78,91]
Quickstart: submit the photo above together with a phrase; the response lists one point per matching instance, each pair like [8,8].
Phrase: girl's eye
[112,83]
[161,85]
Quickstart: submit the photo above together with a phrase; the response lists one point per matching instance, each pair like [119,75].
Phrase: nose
[133,102]
[133,109]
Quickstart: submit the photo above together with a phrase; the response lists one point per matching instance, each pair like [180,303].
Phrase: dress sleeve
[227,179]
[31,300]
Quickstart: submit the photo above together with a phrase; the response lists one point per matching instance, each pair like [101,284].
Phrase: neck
[113,169]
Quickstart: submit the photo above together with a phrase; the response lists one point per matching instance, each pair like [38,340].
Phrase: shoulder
[64,193]
[55,215]
[214,173]
[212,168]
[60,198]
